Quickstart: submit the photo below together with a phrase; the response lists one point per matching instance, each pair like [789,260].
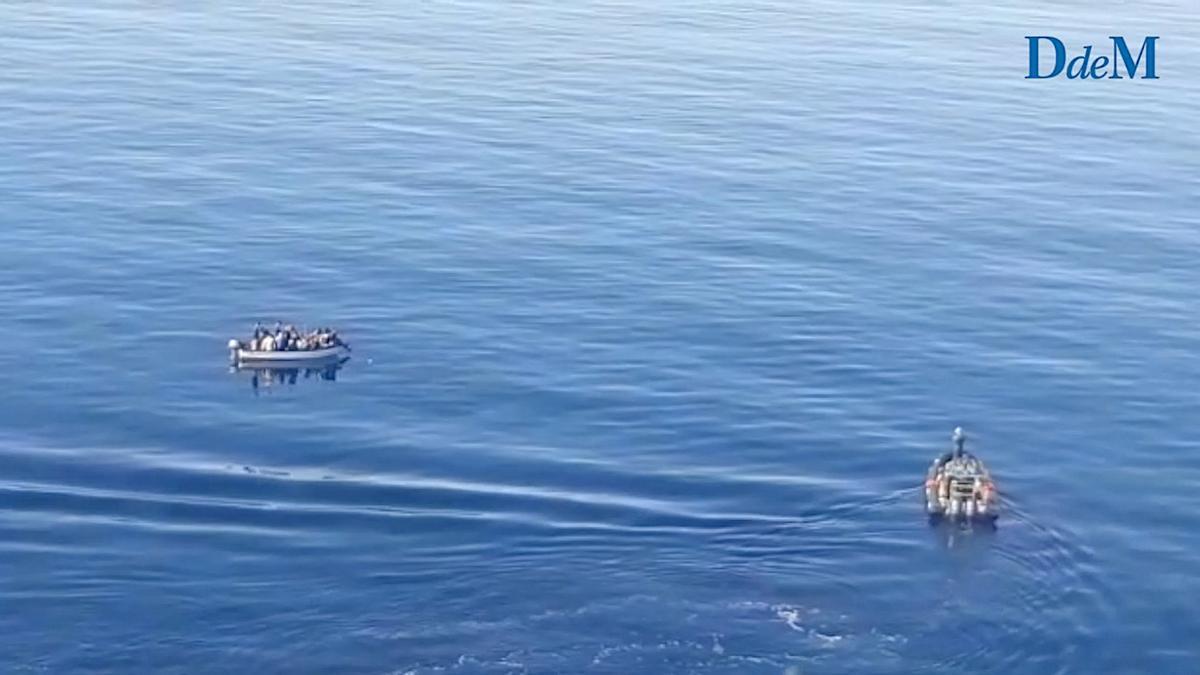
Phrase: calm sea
[659,312]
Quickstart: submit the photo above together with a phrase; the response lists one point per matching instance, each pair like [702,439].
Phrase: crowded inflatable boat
[288,343]
[959,487]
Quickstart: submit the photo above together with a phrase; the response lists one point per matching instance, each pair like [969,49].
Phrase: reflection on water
[963,534]
[266,379]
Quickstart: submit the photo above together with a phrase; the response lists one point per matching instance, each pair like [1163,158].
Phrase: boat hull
[246,356]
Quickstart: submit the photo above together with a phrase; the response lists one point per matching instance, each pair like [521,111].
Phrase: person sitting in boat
[267,343]
[960,441]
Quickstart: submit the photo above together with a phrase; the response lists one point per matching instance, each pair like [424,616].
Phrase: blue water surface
[659,312]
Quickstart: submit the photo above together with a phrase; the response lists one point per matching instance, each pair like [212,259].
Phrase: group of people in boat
[958,484]
[959,463]
[289,339]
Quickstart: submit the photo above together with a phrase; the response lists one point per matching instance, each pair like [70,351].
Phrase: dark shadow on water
[266,379]
[963,535]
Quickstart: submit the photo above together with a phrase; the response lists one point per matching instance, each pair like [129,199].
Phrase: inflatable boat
[959,487]
[241,355]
